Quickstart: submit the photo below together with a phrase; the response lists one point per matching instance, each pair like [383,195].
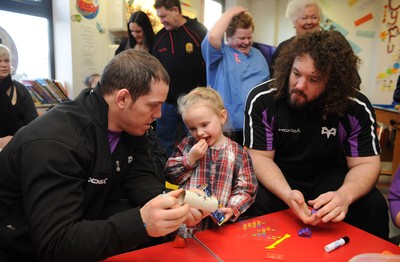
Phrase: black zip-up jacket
[179,51]
[56,177]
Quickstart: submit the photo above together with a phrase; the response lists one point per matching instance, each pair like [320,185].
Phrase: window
[31,1]
[26,28]
[212,12]
[32,46]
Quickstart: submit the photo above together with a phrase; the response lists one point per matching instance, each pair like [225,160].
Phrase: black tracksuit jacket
[56,177]
[179,51]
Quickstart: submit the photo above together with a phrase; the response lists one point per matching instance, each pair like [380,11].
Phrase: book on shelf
[46,91]
[55,99]
[36,88]
[61,87]
[58,89]
[35,97]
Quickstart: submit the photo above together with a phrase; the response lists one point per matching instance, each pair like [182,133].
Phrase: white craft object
[201,202]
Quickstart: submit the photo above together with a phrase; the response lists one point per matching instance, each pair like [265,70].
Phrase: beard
[302,104]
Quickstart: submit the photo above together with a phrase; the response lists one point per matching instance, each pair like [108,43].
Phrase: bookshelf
[46,93]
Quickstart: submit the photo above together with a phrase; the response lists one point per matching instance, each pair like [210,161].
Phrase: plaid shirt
[228,171]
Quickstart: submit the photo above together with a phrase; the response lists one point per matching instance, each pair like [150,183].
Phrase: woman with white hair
[16,105]
[306,16]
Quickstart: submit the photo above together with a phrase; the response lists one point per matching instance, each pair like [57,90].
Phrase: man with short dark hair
[77,184]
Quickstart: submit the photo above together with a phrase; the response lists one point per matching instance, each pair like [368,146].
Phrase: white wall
[80,47]
[230,3]
[265,20]
[63,43]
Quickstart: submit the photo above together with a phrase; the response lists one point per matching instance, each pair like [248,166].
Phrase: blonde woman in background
[16,105]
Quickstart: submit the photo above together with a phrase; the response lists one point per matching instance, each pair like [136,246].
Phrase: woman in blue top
[234,67]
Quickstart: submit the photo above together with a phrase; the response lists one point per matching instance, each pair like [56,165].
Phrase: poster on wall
[89,38]
[389,46]
[87,8]
[372,29]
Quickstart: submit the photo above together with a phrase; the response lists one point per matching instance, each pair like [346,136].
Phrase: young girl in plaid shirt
[207,156]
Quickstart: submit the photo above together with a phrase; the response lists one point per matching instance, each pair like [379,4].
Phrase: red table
[166,252]
[234,243]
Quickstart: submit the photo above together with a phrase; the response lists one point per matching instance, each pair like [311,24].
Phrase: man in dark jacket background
[178,47]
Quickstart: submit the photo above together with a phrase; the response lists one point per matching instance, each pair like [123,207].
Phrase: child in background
[209,157]
[92,80]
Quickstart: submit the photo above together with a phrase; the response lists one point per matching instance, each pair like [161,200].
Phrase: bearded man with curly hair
[312,138]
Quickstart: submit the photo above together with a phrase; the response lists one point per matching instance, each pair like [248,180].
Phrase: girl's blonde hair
[201,95]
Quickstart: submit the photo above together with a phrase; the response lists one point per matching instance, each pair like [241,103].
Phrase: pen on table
[336,244]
